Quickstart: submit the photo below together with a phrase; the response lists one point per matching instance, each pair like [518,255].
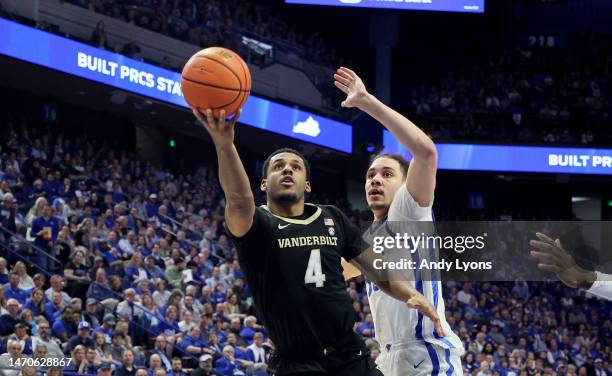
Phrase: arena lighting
[61,54]
[558,160]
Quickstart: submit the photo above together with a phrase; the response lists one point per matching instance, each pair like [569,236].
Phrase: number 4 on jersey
[314,272]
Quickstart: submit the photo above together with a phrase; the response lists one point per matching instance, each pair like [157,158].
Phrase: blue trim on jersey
[418,330]
[435,277]
[434,359]
[447,342]
[451,369]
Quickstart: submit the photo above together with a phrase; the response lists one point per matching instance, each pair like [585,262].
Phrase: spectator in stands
[77,276]
[45,228]
[189,303]
[256,352]
[249,329]
[127,364]
[35,212]
[21,336]
[155,363]
[161,295]
[366,328]
[99,38]
[104,370]
[54,308]
[27,318]
[177,367]
[11,318]
[81,338]
[213,347]
[130,49]
[92,363]
[36,303]
[100,289]
[187,323]
[39,280]
[12,290]
[64,326]
[102,348]
[205,366]
[57,285]
[40,353]
[8,359]
[25,281]
[216,279]
[91,313]
[107,327]
[7,217]
[228,364]
[79,363]
[192,343]
[45,338]
[4,273]
[135,270]
[163,350]
[130,308]
[153,271]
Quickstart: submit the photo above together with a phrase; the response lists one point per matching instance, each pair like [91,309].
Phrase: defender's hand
[553,258]
[351,85]
[421,304]
[221,131]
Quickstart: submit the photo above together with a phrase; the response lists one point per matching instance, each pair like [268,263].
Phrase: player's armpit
[239,219]
[349,270]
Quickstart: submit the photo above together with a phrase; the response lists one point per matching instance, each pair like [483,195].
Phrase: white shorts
[419,359]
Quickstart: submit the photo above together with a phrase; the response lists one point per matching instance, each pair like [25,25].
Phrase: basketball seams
[212,85]
[238,92]
[224,64]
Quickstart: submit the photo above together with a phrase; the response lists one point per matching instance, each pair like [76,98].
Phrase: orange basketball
[216,78]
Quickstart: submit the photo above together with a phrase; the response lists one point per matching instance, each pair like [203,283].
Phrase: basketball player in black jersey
[290,253]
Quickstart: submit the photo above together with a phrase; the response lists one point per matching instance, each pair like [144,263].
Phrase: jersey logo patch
[418,364]
[280,227]
[331,231]
[328,222]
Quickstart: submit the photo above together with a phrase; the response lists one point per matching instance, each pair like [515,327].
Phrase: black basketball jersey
[292,266]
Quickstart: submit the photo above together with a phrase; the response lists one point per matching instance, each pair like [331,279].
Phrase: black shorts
[350,357]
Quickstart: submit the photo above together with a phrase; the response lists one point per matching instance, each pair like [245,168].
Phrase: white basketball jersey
[394,322]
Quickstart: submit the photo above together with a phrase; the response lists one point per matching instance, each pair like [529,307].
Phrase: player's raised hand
[421,304]
[351,85]
[221,130]
[553,258]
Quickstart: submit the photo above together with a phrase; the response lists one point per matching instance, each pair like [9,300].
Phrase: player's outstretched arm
[349,270]
[553,258]
[421,180]
[394,284]
[240,203]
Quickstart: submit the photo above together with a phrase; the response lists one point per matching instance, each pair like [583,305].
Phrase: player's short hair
[403,162]
[264,171]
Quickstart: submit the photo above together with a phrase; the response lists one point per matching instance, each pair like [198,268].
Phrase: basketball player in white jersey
[400,191]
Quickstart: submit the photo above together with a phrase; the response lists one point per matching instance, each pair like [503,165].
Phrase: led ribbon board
[465,6]
[81,60]
[559,160]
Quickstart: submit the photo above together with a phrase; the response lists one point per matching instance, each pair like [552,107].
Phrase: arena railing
[19,238]
[143,327]
[178,224]
[30,260]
